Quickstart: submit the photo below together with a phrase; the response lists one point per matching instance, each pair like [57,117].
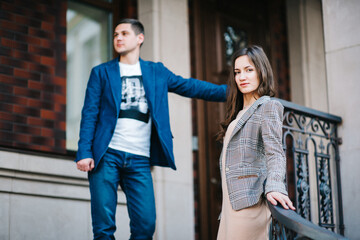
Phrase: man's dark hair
[136,25]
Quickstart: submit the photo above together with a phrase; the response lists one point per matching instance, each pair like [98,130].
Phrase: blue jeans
[133,174]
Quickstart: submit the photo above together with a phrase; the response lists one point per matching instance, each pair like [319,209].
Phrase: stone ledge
[45,177]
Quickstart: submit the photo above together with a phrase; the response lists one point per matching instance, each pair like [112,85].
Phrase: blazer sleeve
[271,130]
[194,88]
[89,116]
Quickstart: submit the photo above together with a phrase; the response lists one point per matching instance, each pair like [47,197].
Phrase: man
[125,129]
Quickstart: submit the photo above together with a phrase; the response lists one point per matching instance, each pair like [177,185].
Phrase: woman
[252,163]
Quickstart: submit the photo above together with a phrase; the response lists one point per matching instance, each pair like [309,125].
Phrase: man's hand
[86,164]
[275,197]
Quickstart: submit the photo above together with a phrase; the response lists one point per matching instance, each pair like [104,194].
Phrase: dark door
[218,28]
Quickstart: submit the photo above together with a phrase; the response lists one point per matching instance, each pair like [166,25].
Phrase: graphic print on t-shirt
[133,100]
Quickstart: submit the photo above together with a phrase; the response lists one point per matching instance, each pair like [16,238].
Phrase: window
[89,43]
[235,39]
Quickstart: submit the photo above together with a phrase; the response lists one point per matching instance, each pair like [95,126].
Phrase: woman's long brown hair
[235,99]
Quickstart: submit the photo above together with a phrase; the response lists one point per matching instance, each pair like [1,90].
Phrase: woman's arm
[271,130]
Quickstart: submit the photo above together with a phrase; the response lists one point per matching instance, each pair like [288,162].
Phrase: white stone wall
[167,40]
[342,47]
[307,54]
[46,198]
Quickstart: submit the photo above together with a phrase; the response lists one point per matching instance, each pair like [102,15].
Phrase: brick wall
[33,74]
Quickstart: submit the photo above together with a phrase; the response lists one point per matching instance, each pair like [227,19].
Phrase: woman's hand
[275,197]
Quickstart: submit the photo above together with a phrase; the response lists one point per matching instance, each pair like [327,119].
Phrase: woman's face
[246,77]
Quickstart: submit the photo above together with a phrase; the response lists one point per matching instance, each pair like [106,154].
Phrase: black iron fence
[311,144]
[286,224]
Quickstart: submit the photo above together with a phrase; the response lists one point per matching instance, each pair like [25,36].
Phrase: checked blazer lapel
[248,114]
[113,72]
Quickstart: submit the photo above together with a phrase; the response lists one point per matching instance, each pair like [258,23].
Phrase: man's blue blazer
[102,106]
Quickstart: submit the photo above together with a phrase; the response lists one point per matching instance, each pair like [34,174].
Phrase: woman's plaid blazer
[255,162]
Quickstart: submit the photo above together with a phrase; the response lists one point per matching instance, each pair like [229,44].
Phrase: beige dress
[251,223]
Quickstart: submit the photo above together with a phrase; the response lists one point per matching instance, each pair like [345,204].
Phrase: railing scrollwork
[311,145]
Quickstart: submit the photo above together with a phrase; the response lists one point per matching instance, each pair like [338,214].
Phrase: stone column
[167,40]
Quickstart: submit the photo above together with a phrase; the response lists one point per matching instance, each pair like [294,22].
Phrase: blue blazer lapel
[248,114]
[113,73]
[148,76]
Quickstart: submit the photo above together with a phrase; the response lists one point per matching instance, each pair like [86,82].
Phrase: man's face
[125,39]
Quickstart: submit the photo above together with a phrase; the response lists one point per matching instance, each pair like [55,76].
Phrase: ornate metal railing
[313,164]
[287,224]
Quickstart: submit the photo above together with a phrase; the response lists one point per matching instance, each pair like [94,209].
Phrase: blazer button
[227,169]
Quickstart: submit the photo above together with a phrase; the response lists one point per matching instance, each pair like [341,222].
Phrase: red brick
[46,114]
[46,148]
[41,86]
[13,26]
[48,61]
[62,143]
[14,44]
[24,110]
[45,43]
[6,107]
[47,26]
[6,79]
[13,62]
[27,21]
[27,39]
[12,117]
[26,74]
[21,138]
[63,39]
[27,129]
[57,107]
[59,81]
[41,68]
[42,34]
[35,103]
[13,81]
[41,51]
[60,98]
[61,125]
[35,85]
[26,56]
[38,140]
[13,99]
[40,122]
[26,92]
[64,56]
[34,147]
[34,121]
[46,132]
[60,89]
[36,34]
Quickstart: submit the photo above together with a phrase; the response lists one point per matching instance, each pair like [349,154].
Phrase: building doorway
[218,28]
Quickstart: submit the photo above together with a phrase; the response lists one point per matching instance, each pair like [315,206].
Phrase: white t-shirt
[133,127]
